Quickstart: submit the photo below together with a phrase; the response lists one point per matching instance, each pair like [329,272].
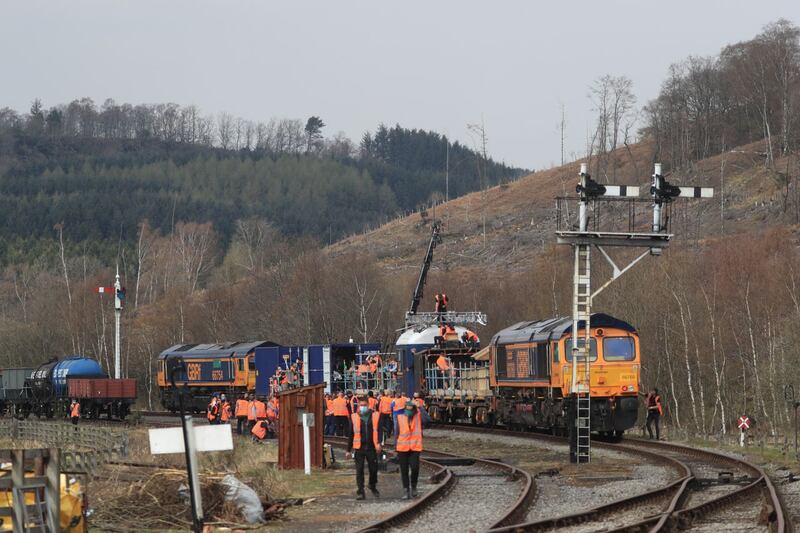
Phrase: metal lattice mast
[582,240]
[581,312]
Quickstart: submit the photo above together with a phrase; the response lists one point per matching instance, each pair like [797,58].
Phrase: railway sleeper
[723,480]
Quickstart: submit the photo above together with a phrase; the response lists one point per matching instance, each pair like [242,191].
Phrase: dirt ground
[328,495]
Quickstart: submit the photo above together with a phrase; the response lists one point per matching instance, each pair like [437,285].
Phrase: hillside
[504,227]
[101,172]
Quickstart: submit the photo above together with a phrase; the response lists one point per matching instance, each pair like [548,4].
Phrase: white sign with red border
[744,422]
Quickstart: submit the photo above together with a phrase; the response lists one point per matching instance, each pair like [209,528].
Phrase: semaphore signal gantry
[595,197]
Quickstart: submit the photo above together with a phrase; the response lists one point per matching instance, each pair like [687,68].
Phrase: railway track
[503,490]
[712,491]
[709,491]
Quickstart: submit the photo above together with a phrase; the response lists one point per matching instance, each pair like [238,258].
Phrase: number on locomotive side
[216,375]
[193,371]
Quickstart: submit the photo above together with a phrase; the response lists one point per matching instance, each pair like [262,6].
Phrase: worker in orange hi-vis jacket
[224,410]
[75,412]
[408,446]
[364,443]
[654,412]
[241,415]
[385,410]
[340,414]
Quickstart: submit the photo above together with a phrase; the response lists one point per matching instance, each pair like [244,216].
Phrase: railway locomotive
[522,379]
[239,368]
[46,390]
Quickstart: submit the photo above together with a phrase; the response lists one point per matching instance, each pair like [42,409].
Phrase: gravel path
[738,518]
[564,495]
[479,497]
[787,483]
[562,488]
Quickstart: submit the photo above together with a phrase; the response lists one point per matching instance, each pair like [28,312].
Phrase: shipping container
[321,362]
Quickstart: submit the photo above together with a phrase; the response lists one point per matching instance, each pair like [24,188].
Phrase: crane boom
[426,265]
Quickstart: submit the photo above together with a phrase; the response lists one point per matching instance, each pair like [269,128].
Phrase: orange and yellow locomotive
[523,378]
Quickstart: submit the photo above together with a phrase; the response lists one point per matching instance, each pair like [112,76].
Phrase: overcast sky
[429,64]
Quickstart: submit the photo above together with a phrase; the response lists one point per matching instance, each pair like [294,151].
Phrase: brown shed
[293,403]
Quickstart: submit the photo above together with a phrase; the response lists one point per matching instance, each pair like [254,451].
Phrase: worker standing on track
[408,447]
[398,406]
[75,412]
[329,427]
[340,414]
[261,410]
[419,402]
[224,410]
[654,412]
[364,441]
[251,412]
[372,402]
[241,415]
[352,403]
[385,410]
[212,412]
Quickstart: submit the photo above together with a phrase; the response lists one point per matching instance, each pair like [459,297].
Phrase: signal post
[119,297]
[588,234]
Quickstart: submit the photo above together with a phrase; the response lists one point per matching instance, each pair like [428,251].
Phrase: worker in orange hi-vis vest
[372,402]
[408,446]
[224,410]
[75,412]
[259,431]
[385,410]
[251,412]
[364,443]
[241,415]
[340,414]
[329,425]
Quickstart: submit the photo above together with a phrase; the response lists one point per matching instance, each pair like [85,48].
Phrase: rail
[83,448]
[672,517]
[446,478]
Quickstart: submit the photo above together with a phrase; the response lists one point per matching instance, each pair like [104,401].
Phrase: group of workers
[253,416]
[368,422]
[287,378]
[372,373]
[448,337]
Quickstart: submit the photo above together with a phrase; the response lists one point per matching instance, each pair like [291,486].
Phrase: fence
[361,382]
[91,445]
[460,379]
[35,498]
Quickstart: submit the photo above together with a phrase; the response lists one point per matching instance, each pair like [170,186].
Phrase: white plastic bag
[245,498]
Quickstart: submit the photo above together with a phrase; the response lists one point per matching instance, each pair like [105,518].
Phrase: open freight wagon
[46,390]
[103,396]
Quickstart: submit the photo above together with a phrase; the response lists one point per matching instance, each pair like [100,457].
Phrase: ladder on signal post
[584,447]
[581,349]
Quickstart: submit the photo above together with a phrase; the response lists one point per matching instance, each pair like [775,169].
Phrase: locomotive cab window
[592,350]
[618,349]
[241,365]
